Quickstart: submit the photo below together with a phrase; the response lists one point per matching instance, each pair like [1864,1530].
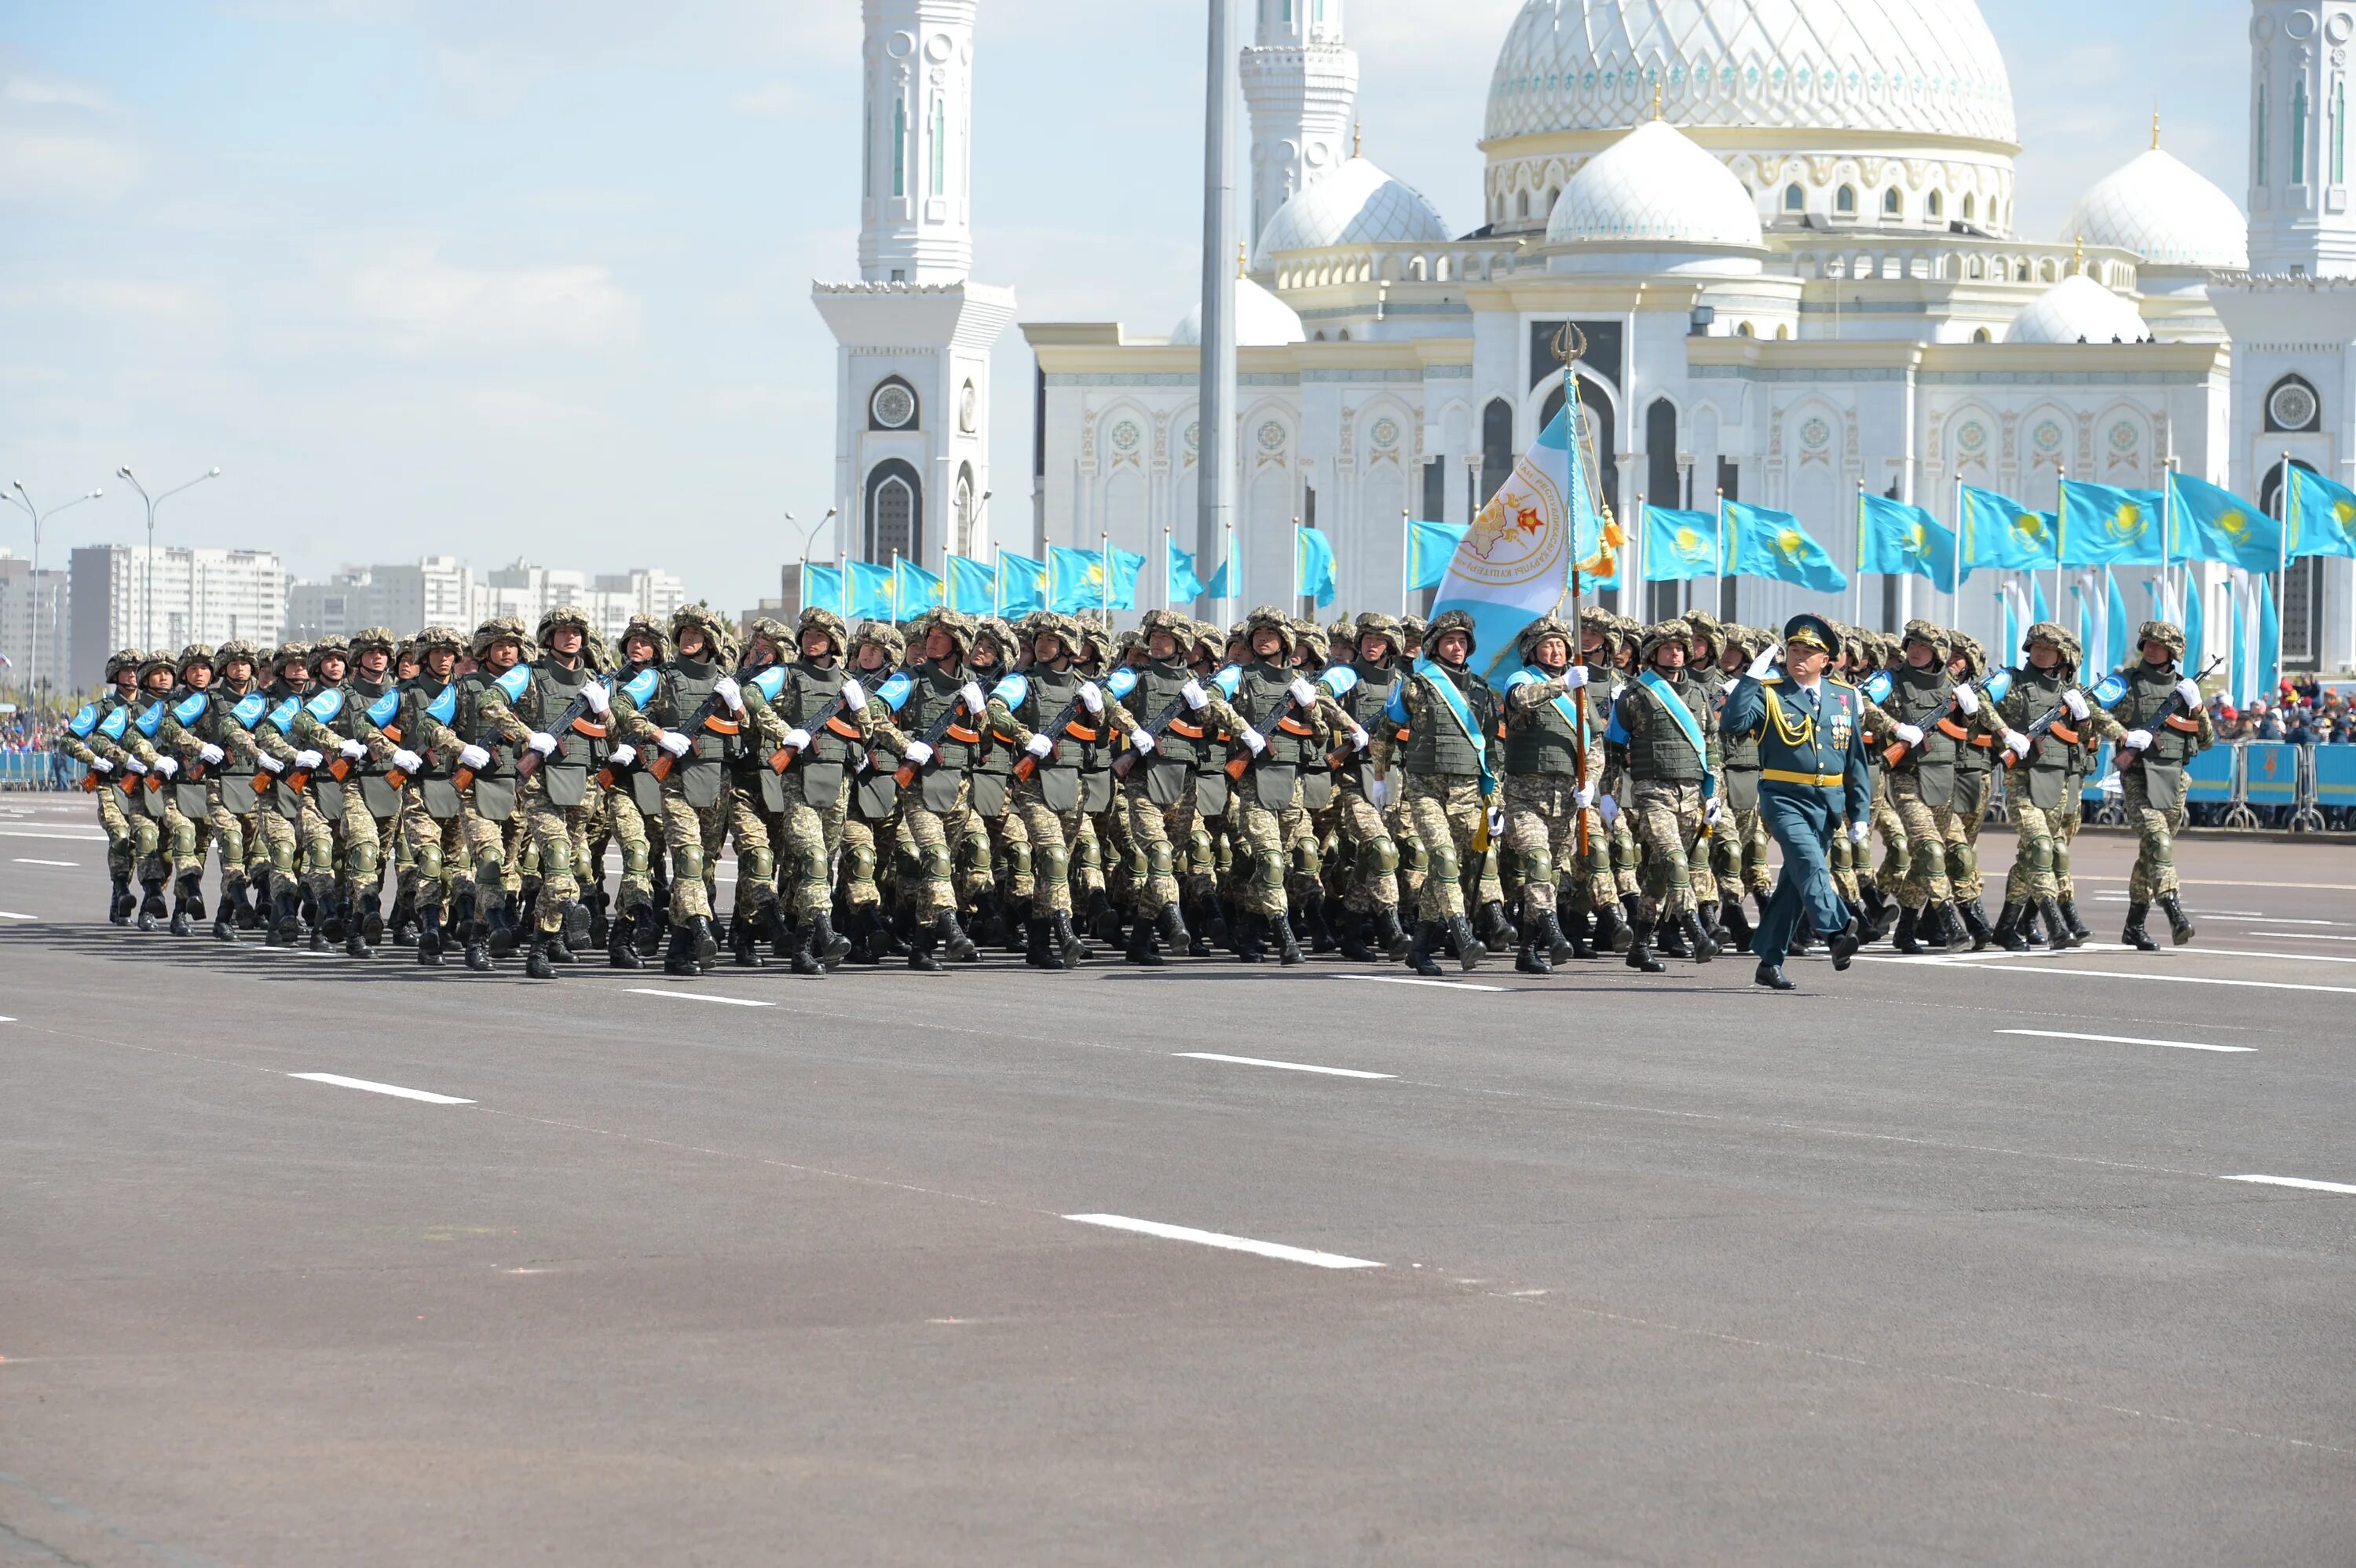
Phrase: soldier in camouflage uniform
[1548,741]
[944,717]
[870,830]
[832,722]
[424,748]
[684,726]
[1737,848]
[1157,783]
[1367,848]
[1702,650]
[1967,661]
[2167,725]
[1284,733]
[81,740]
[234,787]
[371,806]
[488,783]
[181,760]
[1449,729]
[1595,922]
[1923,784]
[632,797]
[1001,893]
[1659,735]
[2047,693]
[149,805]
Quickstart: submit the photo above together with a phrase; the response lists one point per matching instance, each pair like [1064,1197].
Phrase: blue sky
[530,277]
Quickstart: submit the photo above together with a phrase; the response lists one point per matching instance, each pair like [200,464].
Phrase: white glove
[2075,702]
[971,695]
[473,757]
[918,753]
[1142,740]
[1967,701]
[1041,745]
[269,764]
[673,741]
[2189,691]
[167,766]
[543,742]
[1585,795]
[2136,739]
[1609,806]
[1908,733]
[353,751]
[854,696]
[1574,677]
[1090,698]
[1379,790]
[133,765]
[210,754]
[408,761]
[1497,822]
[1302,693]
[798,740]
[1359,739]
[1761,666]
[623,756]
[2018,744]
[101,766]
[1253,739]
[1711,811]
[1194,695]
[306,758]
[1859,832]
[728,691]
[593,694]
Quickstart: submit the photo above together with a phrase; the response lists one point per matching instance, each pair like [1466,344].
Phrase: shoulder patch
[83,722]
[2109,690]
[1122,682]
[769,682]
[282,715]
[248,709]
[1339,680]
[381,710]
[148,720]
[115,721]
[1229,679]
[641,686]
[326,704]
[515,683]
[893,693]
[444,708]
[1878,686]
[191,707]
[1011,691]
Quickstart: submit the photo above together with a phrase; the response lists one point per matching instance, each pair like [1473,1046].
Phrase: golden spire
[2155,127]
[1242,268]
[1657,98]
[1358,136]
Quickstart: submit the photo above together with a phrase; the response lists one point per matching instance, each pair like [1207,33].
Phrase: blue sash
[1458,710]
[1571,711]
[326,705]
[513,684]
[1120,682]
[148,720]
[381,711]
[1877,687]
[893,693]
[769,682]
[191,707]
[282,715]
[1229,679]
[444,708]
[1011,691]
[1687,725]
[115,721]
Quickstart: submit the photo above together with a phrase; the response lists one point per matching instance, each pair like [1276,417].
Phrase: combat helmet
[196,654]
[1703,626]
[1051,623]
[960,626]
[1971,650]
[1539,631]
[998,636]
[1453,621]
[1656,637]
[572,615]
[770,630]
[653,631]
[1269,618]
[1374,623]
[434,637]
[1179,625]
[368,637]
[495,631]
[153,659]
[236,649]
[2166,633]
[883,635]
[294,650]
[1937,637]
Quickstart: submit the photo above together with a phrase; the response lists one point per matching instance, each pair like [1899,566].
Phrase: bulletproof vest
[994,754]
[686,684]
[1916,697]
[1158,687]
[1262,692]
[1710,687]
[881,756]
[1050,691]
[469,726]
[422,692]
[1437,744]
[213,726]
[1660,753]
[809,690]
[2148,692]
[553,691]
[1364,702]
[934,699]
[1548,745]
[2037,693]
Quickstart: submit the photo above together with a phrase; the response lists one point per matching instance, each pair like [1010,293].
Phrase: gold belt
[1786,775]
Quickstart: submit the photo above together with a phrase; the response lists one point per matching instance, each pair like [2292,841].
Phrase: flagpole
[1295,610]
[1166,547]
[1718,581]
[1639,591]
[2061,530]
[1104,576]
[2167,532]
[2282,571]
[1235,573]
[1406,556]
[998,582]
[1856,615]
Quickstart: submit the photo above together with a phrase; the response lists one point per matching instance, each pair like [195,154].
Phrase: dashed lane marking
[2187,979]
[12,914]
[1418,980]
[395,1090]
[2127,1039]
[1226,1242]
[1287,1066]
[2298,936]
[29,833]
[23,860]
[684,995]
[2299,1181]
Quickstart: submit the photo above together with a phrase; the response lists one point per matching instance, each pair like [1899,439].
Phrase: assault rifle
[1115,685]
[705,717]
[574,712]
[1989,688]
[510,685]
[2168,711]
[907,772]
[2109,690]
[442,710]
[1224,680]
[828,718]
[1335,681]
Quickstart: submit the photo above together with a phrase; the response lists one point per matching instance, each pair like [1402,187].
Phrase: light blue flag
[1076,579]
[2104,525]
[2211,524]
[1021,584]
[973,586]
[1429,547]
[2011,621]
[2319,515]
[2037,609]
[2195,613]
[1126,565]
[1763,542]
[2114,619]
[870,592]
[1313,567]
[2267,655]
[822,589]
[915,590]
[1184,586]
[1680,546]
[2002,534]
[1513,564]
[1217,587]
[2090,647]
[1902,539]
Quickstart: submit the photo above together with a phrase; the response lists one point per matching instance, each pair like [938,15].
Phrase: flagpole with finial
[1104,577]
[1294,608]
[1857,614]
[1407,557]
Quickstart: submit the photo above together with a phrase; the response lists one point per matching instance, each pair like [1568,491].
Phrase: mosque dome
[2078,307]
[1357,204]
[1262,320]
[1653,184]
[1922,66]
[2157,207]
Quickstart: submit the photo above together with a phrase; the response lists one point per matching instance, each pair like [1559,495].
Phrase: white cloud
[61,94]
[429,305]
[52,166]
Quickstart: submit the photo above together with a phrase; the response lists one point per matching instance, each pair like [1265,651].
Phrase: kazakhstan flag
[2103,525]
[870,592]
[1185,587]
[1076,579]
[2001,533]
[1763,542]
[1680,546]
[1902,539]
[822,589]
[2320,515]
[2217,525]
[1124,565]
[973,586]
[1021,584]
[915,590]
[1313,567]
[1429,547]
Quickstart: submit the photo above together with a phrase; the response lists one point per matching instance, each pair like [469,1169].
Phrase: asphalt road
[893,1268]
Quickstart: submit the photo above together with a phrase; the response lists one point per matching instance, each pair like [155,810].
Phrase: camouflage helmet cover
[880,633]
[815,618]
[495,631]
[369,637]
[1929,633]
[2166,633]
[1676,629]
[1539,631]
[1269,618]
[196,654]
[1454,620]
[120,660]
[572,615]
[434,637]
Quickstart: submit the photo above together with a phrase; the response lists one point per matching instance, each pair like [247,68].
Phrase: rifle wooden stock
[2168,711]
[1154,727]
[700,720]
[1028,765]
[906,773]
[1896,750]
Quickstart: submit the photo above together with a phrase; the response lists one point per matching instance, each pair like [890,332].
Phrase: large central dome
[1921,67]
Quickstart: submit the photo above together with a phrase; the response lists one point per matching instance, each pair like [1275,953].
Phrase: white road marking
[1985,955]
[2217,882]
[1418,980]
[2260,953]
[393,1089]
[12,914]
[7,1020]
[23,833]
[681,994]
[2191,979]
[2267,918]
[2295,1181]
[2124,1039]
[21,861]
[1229,1244]
[1288,1066]
[2298,936]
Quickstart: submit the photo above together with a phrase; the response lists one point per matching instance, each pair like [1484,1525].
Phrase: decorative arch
[894,512]
[884,400]
[2292,405]
[965,507]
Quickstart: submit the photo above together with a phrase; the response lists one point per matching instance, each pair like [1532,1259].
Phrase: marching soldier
[1002,907]
[1546,793]
[486,780]
[1371,851]
[1178,718]
[830,719]
[2167,725]
[1967,661]
[692,714]
[1659,734]
[371,805]
[1449,714]
[944,717]
[1282,734]
[84,741]
[633,797]
[424,749]
[2045,695]
[1921,785]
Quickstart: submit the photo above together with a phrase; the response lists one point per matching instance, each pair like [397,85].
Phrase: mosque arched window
[1968,206]
[1845,201]
[899,147]
[1522,204]
[1497,445]
[1794,198]
[1783,332]
[1744,330]
[940,145]
[1933,206]
[1892,203]
[1980,334]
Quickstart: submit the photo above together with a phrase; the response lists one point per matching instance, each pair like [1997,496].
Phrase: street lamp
[23,499]
[803,585]
[154,501]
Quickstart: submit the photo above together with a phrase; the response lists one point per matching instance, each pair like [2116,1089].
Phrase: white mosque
[1784,229]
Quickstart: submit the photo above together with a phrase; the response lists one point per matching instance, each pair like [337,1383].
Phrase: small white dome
[1357,204]
[2078,307]
[2159,209]
[1262,320]
[1655,183]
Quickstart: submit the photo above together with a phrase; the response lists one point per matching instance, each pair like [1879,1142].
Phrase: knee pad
[1087,859]
[429,863]
[364,858]
[858,863]
[2038,852]
[1418,858]
[1160,860]
[1961,862]
[756,865]
[634,859]
[1538,867]
[490,870]
[1199,847]
[2163,848]
[1379,857]
[688,864]
[1018,860]
[1053,862]
[1441,863]
[935,863]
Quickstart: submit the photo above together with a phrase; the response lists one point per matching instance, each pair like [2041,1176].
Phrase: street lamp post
[125,474]
[803,586]
[24,499]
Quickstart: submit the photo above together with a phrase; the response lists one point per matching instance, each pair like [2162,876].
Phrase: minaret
[2300,217]
[912,384]
[1300,85]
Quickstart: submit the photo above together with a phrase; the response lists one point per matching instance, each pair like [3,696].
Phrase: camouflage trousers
[1370,855]
[1264,831]
[121,847]
[1926,828]
[756,836]
[1448,812]
[693,836]
[1973,788]
[1840,858]
[484,859]
[1897,853]
[184,839]
[437,852]
[628,826]
[2032,875]
[933,843]
[1051,834]
[868,846]
[2073,815]
[1666,817]
[368,842]
[1738,852]
[1627,854]
[1087,871]
[807,837]
[1010,848]
[2155,867]
[1542,813]
[237,841]
[551,831]
[1158,833]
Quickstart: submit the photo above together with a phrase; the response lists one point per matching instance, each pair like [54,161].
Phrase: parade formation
[928,792]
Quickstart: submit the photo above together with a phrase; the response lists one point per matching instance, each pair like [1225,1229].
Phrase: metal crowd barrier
[2314,785]
[37,770]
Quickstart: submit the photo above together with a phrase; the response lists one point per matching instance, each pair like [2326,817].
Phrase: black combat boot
[537,963]
[1019,915]
[2069,917]
[1143,950]
[1708,914]
[1608,928]
[1527,958]
[1470,949]
[1393,941]
[1352,934]
[921,942]
[988,922]
[1035,952]
[1736,924]
[649,928]
[863,950]
[2134,935]
[506,933]
[621,946]
[1287,942]
[1324,938]
[119,902]
[1422,956]
[681,959]
[478,947]
[1704,949]
[1904,942]
[2006,934]
[1246,934]
[315,936]
[574,933]
[225,916]
[1560,948]
[1578,925]
[955,944]
[429,938]
[251,911]
[1069,948]
[1495,927]
[830,948]
[151,902]
[2056,928]
[1103,921]
[1669,938]
[355,942]
[1772,976]
[707,943]
[1951,927]
[599,904]
[331,916]
[404,917]
[1639,949]
[286,924]
[2180,924]
[744,942]
[188,903]
[1172,919]
[883,937]
[1976,923]
[801,950]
